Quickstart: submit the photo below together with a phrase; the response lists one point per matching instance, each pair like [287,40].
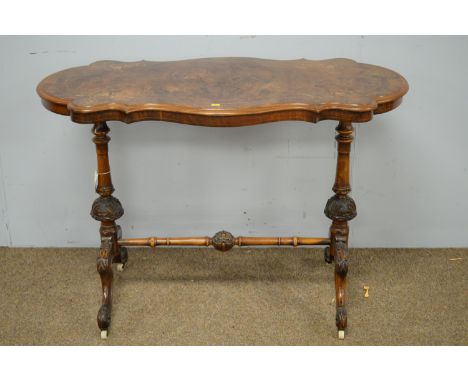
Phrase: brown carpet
[243,297]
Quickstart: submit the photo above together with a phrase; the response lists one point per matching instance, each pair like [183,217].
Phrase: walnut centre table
[222,92]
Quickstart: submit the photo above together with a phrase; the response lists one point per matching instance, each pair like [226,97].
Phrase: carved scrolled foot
[123,255]
[120,267]
[120,255]
[121,258]
[327,255]
[104,317]
[341,318]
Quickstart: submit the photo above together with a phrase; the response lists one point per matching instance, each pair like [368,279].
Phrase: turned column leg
[106,209]
[340,209]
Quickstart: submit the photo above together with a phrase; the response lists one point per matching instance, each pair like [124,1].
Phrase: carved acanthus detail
[341,258]
[223,241]
[107,209]
[340,208]
[104,258]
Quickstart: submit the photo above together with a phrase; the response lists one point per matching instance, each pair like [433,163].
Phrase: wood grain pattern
[223,92]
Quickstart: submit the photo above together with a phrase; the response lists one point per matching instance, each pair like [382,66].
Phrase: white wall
[409,172]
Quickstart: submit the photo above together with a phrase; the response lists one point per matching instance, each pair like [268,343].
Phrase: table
[222,92]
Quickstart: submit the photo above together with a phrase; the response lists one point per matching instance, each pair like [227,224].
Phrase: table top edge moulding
[223,92]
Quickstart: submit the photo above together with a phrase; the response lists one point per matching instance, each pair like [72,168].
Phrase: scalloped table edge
[220,118]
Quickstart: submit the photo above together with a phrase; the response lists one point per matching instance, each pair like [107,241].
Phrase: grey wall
[409,167]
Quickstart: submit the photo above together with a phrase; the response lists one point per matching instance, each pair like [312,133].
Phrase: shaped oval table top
[223,92]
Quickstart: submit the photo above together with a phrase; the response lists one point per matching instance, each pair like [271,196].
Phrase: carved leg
[104,267]
[120,253]
[340,209]
[106,209]
[327,255]
[341,269]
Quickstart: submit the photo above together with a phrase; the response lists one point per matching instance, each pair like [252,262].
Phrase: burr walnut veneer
[222,92]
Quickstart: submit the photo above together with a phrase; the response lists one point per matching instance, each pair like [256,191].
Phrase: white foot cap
[341,334]
[103,334]
[120,267]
